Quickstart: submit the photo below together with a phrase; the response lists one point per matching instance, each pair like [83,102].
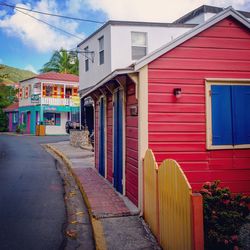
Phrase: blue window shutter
[241,114]
[221,115]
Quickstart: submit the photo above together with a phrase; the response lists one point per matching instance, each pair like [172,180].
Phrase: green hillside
[10,74]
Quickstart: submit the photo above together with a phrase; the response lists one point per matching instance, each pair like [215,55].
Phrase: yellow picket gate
[169,205]
[151,192]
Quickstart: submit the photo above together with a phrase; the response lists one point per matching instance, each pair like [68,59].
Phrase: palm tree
[63,62]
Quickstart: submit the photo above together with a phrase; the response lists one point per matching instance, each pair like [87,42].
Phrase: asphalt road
[32,210]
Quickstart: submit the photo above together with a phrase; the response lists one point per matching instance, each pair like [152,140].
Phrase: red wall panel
[177,127]
[131,146]
[109,138]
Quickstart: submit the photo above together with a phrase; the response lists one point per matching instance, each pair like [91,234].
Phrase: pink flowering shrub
[224,214]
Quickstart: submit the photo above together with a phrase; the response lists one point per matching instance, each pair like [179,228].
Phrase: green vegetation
[7,97]
[62,62]
[224,214]
[21,128]
[10,74]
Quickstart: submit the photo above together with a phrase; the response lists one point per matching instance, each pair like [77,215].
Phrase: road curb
[97,227]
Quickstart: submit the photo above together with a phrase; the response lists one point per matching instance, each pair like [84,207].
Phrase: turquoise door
[102,137]
[118,140]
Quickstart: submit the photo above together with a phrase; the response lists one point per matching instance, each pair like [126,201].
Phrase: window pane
[101,57]
[138,39]
[58,119]
[221,115]
[49,91]
[52,119]
[86,65]
[138,52]
[101,43]
[241,114]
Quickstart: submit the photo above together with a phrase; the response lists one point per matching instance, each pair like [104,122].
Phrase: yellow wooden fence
[168,205]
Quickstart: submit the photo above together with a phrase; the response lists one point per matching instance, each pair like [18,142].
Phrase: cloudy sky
[27,43]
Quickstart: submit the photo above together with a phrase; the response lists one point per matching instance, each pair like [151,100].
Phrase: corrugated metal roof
[12,107]
[56,76]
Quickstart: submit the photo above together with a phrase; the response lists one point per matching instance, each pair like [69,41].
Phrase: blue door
[102,138]
[118,140]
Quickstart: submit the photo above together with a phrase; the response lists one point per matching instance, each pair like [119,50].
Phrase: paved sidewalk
[115,221]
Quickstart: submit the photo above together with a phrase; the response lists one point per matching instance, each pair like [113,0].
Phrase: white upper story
[50,88]
[118,44]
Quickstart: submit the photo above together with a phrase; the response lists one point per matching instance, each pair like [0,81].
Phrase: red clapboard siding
[180,137]
[131,146]
[201,64]
[177,127]
[110,137]
[177,117]
[176,107]
[169,97]
[210,53]
[214,42]
[159,87]
[183,156]
[173,73]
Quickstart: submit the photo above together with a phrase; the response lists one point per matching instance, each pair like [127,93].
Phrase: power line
[64,31]
[51,14]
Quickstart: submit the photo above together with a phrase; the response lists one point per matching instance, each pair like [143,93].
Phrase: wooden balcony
[72,101]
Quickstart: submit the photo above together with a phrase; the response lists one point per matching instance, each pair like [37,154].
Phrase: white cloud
[75,6]
[155,10]
[39,35]
[1,61]
[30,68]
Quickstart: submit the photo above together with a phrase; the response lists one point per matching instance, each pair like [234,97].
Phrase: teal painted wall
[33,109]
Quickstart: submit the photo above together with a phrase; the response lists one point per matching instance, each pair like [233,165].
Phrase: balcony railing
[58,101]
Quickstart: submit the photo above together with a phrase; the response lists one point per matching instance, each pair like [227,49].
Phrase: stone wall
[79,138]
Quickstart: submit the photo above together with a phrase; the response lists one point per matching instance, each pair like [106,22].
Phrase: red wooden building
[188,101]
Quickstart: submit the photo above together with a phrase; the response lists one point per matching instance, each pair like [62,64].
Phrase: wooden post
[197,221]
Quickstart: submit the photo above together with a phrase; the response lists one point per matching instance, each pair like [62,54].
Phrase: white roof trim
[106,79]
[196,30]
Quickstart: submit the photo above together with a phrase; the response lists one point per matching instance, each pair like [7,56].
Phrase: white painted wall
[57,130]
[96,71]
[27,101]
[121,41]
[117,42]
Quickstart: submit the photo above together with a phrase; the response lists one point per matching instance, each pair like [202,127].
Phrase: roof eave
[104,80]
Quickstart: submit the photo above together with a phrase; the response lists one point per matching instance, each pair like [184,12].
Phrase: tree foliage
[62,62]
[7,97]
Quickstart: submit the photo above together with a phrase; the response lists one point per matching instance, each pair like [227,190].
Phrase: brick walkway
[116,224]
[103,200]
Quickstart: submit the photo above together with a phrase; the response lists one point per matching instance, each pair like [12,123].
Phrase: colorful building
[49,99]
[188,101]
[13,116]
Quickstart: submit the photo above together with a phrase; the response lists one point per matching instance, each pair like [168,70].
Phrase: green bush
[3,121]
[21,128]
[224,214]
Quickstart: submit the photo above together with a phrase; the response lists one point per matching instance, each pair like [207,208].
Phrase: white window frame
[217,81]
[101,50]
[138,45]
